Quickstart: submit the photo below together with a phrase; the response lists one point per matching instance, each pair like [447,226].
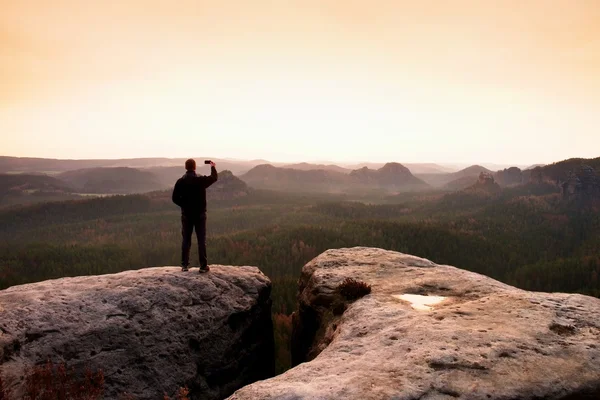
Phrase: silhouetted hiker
[190,194]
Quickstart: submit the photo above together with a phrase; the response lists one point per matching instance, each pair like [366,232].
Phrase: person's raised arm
[212,178]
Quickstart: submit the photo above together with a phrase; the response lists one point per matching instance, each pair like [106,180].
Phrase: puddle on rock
[418,302]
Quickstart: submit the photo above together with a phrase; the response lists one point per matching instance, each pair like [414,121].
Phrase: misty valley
[537,229]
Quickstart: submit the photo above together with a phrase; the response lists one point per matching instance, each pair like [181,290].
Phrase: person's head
[190,165]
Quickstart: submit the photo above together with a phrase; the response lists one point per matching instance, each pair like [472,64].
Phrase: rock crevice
[482,340]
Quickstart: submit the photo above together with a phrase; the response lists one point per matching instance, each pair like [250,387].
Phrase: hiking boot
[204,269]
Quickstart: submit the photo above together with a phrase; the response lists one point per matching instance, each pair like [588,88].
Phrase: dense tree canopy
[525,236]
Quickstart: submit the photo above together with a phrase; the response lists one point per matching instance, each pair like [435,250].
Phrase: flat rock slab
[150,331]
[483,340]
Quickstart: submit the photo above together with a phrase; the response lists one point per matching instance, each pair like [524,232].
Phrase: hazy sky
[510,81]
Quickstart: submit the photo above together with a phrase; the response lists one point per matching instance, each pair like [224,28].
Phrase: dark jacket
[190,191]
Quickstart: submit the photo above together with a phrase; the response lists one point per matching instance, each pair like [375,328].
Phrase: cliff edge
[150,331]
[433,332]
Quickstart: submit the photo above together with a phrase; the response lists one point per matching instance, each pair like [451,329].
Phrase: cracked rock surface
[486,340]
[150,331]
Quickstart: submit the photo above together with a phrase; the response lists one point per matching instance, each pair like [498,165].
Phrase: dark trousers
[188,223]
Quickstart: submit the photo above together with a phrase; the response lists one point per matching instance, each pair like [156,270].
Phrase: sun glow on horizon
[308,81]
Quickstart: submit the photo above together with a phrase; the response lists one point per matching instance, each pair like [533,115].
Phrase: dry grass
[182,394]
[56,382]
[351,289]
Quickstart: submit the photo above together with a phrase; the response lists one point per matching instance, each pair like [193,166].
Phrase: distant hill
[472,170]
[228,187]
[478,193]
[27,189]
[533,166]
[485,183]
[27,164]
[369,165]
[29,182]
[577,178]
[427,168]
[391,176]
[311,167]
[441,180]
[237,167]
[512,176]
[490,166]
[54,166]
[167,176]
[269,177]
[460,183]
[120,180]
[415,168]
[559,172]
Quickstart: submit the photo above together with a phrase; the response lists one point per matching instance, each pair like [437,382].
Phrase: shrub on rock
[351,289]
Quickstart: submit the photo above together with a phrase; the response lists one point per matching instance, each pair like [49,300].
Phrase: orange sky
[447,81]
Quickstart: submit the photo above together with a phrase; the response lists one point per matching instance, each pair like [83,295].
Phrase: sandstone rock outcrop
[392,177]
[485,184]
[485,179]
[267,176]
[583,184]
[150,331]
[510,177]
[561,172]
[460,336]
[389,176]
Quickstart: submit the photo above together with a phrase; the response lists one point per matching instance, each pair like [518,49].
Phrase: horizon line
[272,161]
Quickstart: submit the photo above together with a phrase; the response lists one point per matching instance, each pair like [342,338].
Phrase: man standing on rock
[190,194]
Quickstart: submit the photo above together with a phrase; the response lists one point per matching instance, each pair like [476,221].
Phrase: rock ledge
[151,331]
[484,340]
